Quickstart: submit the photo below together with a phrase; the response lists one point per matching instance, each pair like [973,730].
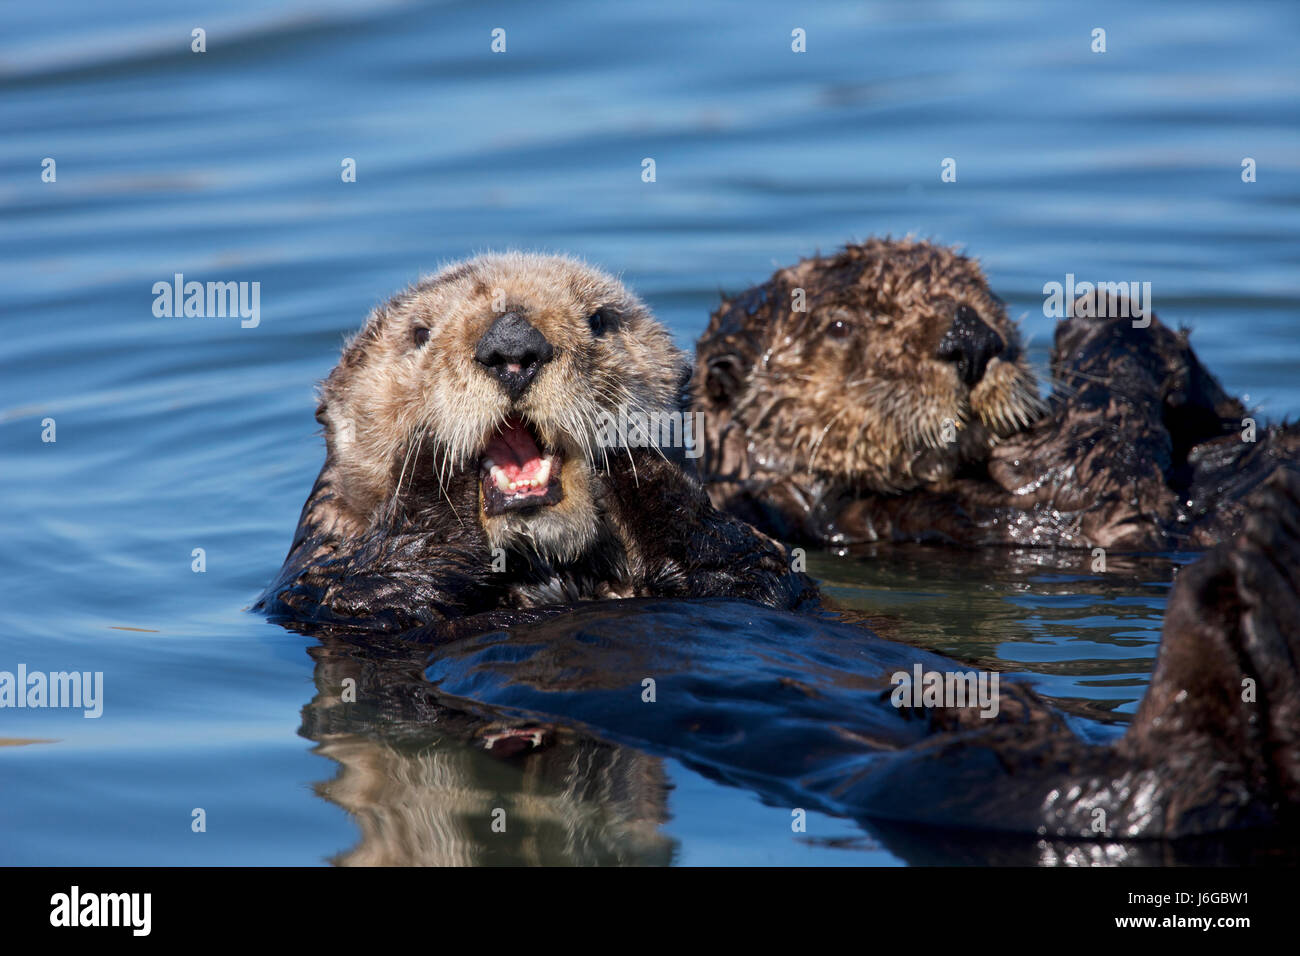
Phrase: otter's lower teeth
[503,483]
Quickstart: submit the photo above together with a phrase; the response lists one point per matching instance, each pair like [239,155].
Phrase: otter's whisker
[812,464]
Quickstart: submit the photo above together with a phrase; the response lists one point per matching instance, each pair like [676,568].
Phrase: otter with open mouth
[466,468]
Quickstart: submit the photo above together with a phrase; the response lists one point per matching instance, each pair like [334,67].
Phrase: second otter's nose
[514,351]
[970,344]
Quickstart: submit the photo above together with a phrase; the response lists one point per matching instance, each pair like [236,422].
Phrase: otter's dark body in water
[899,406]
[798,709]
[464,469]
[460,430]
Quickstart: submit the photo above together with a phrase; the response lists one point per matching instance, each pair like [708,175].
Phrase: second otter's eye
[839,329]
[420,335]
[599,321]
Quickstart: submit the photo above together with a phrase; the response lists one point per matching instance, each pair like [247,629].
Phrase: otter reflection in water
[882,394]
[428,785]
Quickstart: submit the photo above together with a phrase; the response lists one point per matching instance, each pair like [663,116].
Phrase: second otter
[882,394]
[463,470]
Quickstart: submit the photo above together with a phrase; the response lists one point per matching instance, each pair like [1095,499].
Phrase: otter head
[885,366]
[500,370]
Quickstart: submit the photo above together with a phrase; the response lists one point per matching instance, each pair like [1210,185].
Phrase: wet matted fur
[852,384]
[851,422]
[397,531]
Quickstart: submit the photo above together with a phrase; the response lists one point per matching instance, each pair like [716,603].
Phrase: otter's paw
[679,545]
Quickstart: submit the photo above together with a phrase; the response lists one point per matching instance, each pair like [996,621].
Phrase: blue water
[177,434]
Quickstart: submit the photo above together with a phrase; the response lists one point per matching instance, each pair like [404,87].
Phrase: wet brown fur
[394,533]
[869,407]
[386,397]
[838,441]
[392,536]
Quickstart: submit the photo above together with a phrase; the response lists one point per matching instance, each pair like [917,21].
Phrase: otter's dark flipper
[1142,449]
[1105,458]
[1224,705]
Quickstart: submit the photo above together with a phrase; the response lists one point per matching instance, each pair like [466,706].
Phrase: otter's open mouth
[516,473]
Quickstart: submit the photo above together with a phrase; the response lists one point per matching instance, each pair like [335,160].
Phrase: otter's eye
[839,329]
[420,335]
[599,321]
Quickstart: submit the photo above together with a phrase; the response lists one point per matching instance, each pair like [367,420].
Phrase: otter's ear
[719,368]
[320,412]
[722,377]
[729,350]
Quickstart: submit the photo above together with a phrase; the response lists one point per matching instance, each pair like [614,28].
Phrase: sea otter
[459,430]
[882,394]
[468,466]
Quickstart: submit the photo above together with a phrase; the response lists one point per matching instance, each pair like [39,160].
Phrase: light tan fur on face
[870,406]
[390,404]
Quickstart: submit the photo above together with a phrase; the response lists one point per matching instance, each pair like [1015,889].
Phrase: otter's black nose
[514,351]
[970,344]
